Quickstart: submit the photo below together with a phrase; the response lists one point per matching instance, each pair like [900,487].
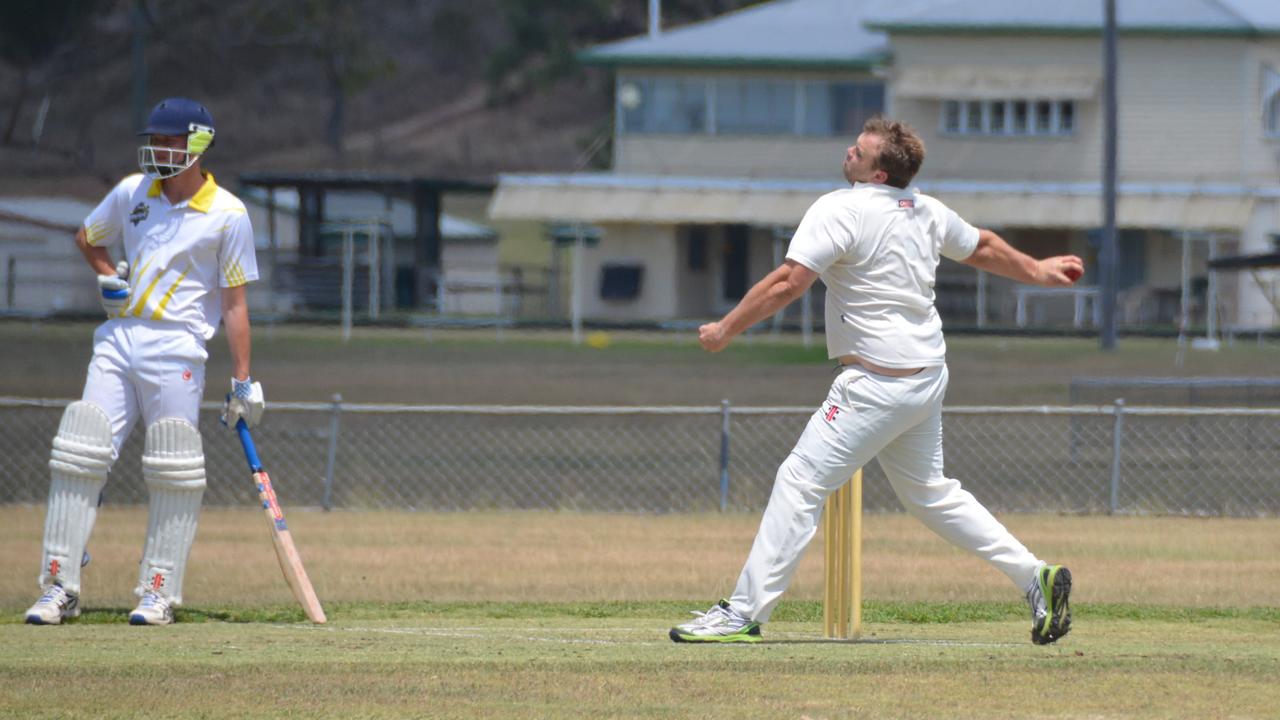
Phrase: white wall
[1189,110]
[652,247]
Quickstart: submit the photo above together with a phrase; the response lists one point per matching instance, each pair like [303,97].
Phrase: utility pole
[139,58]
[1110,255]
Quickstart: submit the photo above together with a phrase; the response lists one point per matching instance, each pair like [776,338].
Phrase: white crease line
[430,632]
[482,633]
[890,641]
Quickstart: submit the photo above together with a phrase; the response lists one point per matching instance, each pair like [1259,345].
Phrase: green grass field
[564,615]
[495,661]
[387,365]
[561,615]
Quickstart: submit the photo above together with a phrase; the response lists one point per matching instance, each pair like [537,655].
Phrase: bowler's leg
[841,437]
[913,464]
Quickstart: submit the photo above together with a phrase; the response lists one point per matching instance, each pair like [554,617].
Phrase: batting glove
[114,290]
[244,401]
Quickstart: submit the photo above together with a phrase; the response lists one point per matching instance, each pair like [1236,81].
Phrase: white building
[727,130]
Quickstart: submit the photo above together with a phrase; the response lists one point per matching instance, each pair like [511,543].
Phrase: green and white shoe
[720,624]
[1049,597]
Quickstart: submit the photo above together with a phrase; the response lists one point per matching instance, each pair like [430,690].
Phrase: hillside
[452,88]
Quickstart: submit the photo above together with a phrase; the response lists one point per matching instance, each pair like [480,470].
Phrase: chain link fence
[1076,459]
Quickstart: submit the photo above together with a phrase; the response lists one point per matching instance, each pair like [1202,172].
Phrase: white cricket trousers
[145,370]
[898,420]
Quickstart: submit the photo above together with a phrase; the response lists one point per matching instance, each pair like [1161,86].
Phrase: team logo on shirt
[140,212]
[831,413]
[186,375]
[906,203]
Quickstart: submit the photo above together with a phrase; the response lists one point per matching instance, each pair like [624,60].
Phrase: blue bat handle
[120,294]
[246,442]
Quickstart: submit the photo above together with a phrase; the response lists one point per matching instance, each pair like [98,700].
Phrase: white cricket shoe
[54,606]
[719,624]
[153,609]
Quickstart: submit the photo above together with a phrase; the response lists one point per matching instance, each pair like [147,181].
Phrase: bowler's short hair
[901,149]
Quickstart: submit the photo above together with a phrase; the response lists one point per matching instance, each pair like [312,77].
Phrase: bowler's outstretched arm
[994,255]
[777,290]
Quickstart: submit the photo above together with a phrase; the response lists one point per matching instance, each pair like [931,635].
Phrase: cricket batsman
[185,253]
[876,247]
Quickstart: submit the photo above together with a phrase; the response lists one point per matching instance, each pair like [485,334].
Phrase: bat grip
[246,442]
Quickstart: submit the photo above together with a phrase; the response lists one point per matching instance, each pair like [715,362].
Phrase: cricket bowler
[876,247]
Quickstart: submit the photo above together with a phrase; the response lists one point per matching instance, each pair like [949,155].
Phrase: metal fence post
[334,417]
[1117,438]
[724,455]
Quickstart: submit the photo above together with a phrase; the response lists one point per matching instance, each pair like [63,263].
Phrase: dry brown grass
[552,557]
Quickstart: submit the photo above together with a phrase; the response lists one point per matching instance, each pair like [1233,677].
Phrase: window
[1019,126]
[696,242]
[735,105]
[1042,118]
[1067,117]
[951,117]
[620,282]
[733,263]
[973,117]
[755,107]
[839,108]
[1270,102]
[998,111]
[663,105]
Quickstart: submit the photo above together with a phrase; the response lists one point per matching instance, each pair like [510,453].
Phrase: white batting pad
[78,468]
[173,466]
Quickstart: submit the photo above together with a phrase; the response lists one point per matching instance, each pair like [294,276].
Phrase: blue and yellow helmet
[175,117]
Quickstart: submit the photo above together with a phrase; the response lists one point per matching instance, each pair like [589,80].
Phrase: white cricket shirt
[179,255]
[877,250]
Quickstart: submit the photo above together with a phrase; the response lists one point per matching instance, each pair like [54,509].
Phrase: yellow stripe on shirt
[97,231]
[234,274]
[159,313]
[142,300]
[137,273]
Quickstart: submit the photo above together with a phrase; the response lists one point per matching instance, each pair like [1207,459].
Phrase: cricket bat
[286,553]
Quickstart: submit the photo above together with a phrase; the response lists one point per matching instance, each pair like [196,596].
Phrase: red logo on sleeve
[186,375]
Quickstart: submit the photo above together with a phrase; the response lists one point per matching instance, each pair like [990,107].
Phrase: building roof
[354,205]
[53,213]
[1246,262]
[343,180]
[1158,17]
[810,34]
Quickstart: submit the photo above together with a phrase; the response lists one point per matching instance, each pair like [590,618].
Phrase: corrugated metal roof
[60,211]
[785,33]
[851,33]
[340,206]
[1230,17]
